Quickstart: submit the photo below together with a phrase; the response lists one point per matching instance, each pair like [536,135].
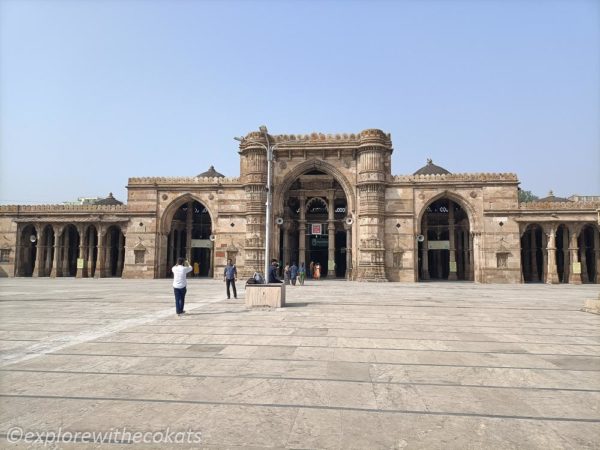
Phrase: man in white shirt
[180,272]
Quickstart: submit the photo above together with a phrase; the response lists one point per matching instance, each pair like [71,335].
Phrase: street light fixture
[269,149]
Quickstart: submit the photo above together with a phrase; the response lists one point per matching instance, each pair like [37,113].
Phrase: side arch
[167,216]
[464,204]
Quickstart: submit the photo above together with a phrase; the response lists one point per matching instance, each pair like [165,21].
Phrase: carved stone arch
[167,216]
[314,164]
[474,222]
[315,199]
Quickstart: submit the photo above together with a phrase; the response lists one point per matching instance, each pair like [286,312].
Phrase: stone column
[330,235]
[38,265]
[285,229]
[120,253]
[583,252]
[574,278]
[100,271]
[452,243]
[532,257]
[56,266]
[425,252]
[65,251]
[566,255]
[189,222]
[48,254]
[552,276]
[302,232]
[468,256]
[171,260]
[80,273]
[90,252]
[348,251]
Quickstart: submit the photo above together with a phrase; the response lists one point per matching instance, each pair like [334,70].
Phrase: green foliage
[527,196]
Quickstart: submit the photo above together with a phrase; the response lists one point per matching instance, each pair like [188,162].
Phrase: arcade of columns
[573,250]
[50,255]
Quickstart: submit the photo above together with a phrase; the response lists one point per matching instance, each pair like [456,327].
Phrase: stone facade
[335,201]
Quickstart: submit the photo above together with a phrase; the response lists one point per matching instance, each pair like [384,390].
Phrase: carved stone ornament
[421,196]
[282,165]
[211,196]
[165,197]
[473,194]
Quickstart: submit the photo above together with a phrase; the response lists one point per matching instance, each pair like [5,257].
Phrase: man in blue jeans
[229,277]
[180,272]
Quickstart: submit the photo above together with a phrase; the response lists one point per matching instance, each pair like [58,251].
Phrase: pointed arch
[464,204]
[167,216]
[314,164]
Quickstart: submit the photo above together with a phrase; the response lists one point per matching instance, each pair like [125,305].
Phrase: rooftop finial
[550,194]
[429,161]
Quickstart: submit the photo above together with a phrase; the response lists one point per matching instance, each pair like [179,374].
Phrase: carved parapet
[559,206]
[209,181]
[464,177]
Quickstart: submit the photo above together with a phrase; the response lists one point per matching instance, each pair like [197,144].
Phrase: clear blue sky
[94,92]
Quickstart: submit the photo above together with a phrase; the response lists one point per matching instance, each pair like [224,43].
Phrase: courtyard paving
[345,365]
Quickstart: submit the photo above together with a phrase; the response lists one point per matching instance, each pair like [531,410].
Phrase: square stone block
[272,295]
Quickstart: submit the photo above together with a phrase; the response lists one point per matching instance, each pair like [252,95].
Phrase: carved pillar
[468,256]
[330,235]
[425,251]
[121,252]
[38,265]
[302,232]
[575,277]
[285,256]
[80,273]
[57,265]
[189,223]
[171,258]
[583,252]
[348,228]
[101,261]
[90,252]
[49,252]
[452,243]
[65,252]
[552,276]
[533,256]
[566,255]
[477,257]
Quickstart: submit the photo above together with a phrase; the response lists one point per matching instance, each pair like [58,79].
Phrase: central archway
[313,208]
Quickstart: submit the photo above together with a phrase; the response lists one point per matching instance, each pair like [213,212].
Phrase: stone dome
[211,172]
[431,169]
[110,200]
[552,198]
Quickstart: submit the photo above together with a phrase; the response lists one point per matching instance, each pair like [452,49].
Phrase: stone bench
[271,295]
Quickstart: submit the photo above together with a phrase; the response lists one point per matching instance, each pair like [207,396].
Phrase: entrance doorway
[444,248]
[190,238]
[313,228]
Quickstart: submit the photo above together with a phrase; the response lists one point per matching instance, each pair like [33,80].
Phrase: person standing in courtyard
[317,275]
[286,274]
[293,273]
[180,271]
[311,269]
[230,277]
[301,273]
[196,269]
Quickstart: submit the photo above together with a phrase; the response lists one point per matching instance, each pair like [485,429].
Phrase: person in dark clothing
[229,277]
[273,272]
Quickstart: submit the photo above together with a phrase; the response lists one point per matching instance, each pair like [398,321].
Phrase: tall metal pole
[269,202]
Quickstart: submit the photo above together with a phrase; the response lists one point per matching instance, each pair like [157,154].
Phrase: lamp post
[269,149]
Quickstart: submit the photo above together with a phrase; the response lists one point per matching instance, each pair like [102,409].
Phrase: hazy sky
[94,92]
